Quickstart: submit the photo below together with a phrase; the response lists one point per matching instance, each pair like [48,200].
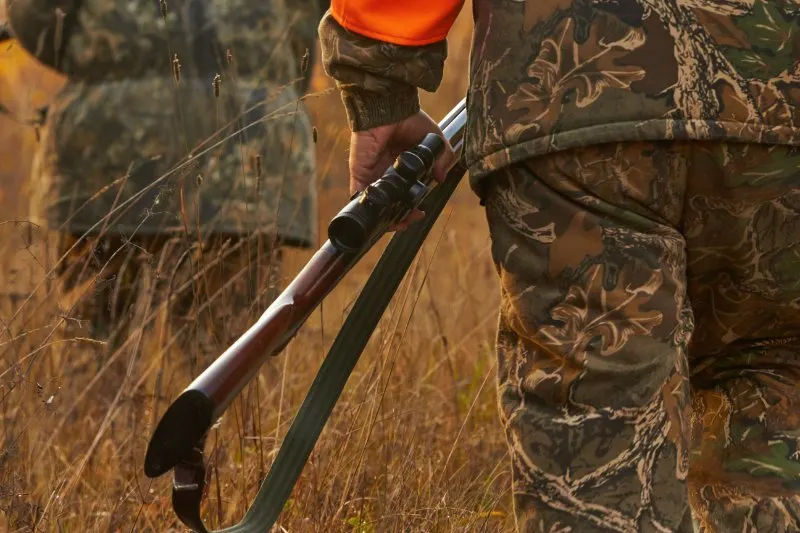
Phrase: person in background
[639,165]
[178,159]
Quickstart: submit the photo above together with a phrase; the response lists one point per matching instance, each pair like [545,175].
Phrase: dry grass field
[414,443]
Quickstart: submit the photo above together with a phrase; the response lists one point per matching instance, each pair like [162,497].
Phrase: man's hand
[373,151]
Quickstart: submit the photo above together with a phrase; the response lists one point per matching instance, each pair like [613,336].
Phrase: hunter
[178,154]
[638,163]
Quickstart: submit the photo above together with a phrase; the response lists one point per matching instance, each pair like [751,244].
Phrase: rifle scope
[389,199]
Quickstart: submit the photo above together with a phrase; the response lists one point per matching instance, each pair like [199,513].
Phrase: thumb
[362,173]
[367,155]
[444,162]
[415,128]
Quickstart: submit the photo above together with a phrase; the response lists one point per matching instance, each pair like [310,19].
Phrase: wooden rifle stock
[193,413]
[179,437]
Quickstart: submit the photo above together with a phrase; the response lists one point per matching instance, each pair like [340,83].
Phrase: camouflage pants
[221,288]
[649,337]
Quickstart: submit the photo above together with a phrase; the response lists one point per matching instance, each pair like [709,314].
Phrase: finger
[444,163]
[367,157]
[400,226]
[360,178]
[415,216]
[355,186]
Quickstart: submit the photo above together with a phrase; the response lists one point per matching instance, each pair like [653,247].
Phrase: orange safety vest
[401,22]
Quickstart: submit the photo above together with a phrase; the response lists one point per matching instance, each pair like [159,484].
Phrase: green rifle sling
[328,384]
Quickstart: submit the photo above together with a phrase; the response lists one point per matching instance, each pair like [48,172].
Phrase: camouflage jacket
[548,75]
[182,115]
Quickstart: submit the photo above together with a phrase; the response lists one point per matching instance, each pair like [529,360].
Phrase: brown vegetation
[413,445]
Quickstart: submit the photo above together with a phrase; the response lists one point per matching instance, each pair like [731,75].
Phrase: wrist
[367,109]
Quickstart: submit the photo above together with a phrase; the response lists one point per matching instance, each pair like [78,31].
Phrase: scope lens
[347,233]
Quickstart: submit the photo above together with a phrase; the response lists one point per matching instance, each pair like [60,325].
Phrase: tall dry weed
[414,443]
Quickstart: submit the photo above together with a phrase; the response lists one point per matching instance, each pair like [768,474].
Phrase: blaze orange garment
[401,22]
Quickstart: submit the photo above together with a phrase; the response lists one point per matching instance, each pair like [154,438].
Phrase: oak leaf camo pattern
[185,122]
[649,329]
[649,337]
[549,75]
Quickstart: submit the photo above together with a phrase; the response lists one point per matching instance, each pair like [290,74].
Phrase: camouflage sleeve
[379,81]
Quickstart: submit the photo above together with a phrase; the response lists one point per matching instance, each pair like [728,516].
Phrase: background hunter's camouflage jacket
[150,83]
[547,75]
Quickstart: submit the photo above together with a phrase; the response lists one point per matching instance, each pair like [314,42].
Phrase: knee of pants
[612,337]
[746,427]
[593,302]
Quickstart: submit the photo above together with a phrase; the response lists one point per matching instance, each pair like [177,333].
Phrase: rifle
[179,438]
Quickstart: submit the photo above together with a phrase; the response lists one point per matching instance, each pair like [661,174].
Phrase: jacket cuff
[367,109]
